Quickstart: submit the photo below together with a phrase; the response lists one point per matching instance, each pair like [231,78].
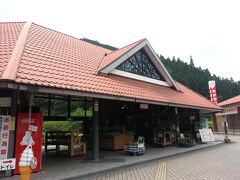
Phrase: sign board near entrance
[7,164]
[4,136]
[206,135]
[28,140]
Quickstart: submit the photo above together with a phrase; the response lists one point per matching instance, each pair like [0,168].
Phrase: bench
[70,139]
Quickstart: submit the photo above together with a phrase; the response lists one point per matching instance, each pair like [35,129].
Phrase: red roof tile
[53,59]
[9,33]
[233,100]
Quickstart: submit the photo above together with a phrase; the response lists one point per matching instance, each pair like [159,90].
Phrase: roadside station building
[42,70]
[230,114]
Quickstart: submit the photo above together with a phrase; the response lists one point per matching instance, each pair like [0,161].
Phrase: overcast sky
[207,30]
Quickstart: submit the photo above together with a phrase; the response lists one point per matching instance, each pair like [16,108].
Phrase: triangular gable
[140,64]
[111,57]
[141,47]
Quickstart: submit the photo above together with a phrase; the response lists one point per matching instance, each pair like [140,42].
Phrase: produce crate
[135,148]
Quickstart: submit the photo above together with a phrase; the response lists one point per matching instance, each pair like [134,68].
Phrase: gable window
[140,64]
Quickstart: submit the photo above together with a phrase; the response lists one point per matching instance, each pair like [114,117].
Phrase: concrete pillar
[11,142]
[177,123]
[96,130]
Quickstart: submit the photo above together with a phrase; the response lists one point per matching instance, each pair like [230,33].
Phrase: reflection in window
[58,107]
[61,107]
[89,109]
[42,103]
[140,64]
[77,109]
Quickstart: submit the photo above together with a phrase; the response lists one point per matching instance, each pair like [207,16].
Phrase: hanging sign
[7,164]
[4,132]
[213,91]
[28,149]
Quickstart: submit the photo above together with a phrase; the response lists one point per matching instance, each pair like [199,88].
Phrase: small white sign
[223,124]
[206,135]
[143,106]
[96,106]
[211,84]
[33,128]
[7,164]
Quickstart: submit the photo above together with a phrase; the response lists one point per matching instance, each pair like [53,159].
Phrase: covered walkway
[63,167]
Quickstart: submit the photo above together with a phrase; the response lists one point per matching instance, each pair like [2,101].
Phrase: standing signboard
[29,141]
[206,135]
[4,132]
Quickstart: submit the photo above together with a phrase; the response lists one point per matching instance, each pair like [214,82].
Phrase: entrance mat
[102,160]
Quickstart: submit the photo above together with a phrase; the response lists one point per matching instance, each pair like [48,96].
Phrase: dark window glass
[58,107]
[42,103]
[4,111]
[63,106]
[89,109]
[140,64]
[77,109]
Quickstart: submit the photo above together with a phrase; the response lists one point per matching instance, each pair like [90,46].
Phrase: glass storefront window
[89,109]
[58,107]
[42,103]
[77,109]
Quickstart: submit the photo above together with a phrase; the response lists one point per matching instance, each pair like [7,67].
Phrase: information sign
[7,164]
[4,136]
[206,135]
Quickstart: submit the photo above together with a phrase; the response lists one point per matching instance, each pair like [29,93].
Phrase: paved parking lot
[219,162]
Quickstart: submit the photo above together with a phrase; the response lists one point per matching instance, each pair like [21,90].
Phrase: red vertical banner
[28,149]
[213,92]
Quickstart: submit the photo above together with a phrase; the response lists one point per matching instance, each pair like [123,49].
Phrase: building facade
[67,79]
[230,114]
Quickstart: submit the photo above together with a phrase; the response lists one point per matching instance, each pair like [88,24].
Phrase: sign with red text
[29,141]
[4,132]
[7,164]
[213,92]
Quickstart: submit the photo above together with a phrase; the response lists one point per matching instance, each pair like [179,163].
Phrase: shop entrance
[68,126]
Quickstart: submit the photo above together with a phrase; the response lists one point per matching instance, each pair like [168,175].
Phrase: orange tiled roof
[233,100]
[53,59]
[8,37]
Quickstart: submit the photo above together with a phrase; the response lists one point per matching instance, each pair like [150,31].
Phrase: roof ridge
[14,61]
[127,46]
[223,103]
[12,22]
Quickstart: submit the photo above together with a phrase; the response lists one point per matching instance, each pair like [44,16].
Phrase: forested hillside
[197,78]
[193,77]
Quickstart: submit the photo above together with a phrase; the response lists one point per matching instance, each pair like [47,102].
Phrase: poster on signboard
[4,136]
[206,135]
[28,149]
